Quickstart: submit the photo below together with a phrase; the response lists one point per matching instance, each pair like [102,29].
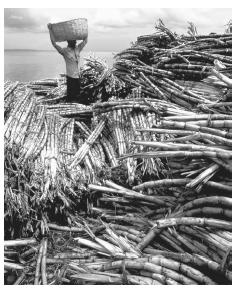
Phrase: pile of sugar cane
[98,83]
[128,191]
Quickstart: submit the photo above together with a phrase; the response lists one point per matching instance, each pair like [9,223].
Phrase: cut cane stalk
[43,262]
[86,146]
[16,243]
[38,265]
[160,224]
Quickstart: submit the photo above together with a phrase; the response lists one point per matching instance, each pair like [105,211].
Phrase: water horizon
[53,50]
[28,64]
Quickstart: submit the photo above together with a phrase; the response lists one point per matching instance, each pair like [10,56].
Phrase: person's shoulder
[77,49]
[65,50]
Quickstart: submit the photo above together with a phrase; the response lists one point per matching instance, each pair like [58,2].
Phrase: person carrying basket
[71,55]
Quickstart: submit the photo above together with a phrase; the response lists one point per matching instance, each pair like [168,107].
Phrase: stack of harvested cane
[127,191]
[160,64]
[98,83]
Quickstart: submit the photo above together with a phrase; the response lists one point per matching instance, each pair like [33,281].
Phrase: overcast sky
[109,29]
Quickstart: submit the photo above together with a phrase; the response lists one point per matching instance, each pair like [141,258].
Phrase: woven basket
[76,29]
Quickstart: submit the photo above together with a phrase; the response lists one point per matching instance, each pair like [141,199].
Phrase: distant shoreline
[53,50]
[26,65]
[21,49]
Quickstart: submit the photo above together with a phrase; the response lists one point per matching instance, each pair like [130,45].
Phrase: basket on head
[76,29]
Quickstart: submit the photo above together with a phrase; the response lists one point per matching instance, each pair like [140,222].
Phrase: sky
[109,29]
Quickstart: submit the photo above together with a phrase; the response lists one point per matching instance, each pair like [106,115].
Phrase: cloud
[108,28]
[20,19]
[107,20]
[205,20]
[119,18]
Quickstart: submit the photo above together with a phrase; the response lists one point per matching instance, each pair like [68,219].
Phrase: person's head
[71,43]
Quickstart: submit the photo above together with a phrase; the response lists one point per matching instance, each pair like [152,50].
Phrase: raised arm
[57,47]
[82,44]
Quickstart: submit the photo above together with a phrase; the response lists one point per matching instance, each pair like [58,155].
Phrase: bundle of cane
[96,151]
[34,130]
[83,150]
[19,118]
[98,81]
[70,109]
[157,63]
[10,94]
[54,95]
[66,145]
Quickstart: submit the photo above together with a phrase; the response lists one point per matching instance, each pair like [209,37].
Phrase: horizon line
[14,49]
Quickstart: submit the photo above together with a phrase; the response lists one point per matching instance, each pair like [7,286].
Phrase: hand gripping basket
[76,29]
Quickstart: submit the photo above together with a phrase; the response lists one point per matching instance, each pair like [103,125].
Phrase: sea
[29,65]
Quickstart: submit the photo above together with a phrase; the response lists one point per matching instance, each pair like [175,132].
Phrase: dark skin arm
[82,44]
[57,47]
